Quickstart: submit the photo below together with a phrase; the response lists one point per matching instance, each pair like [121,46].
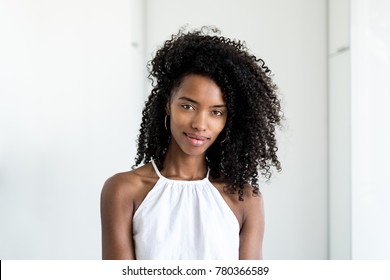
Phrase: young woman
[207,133]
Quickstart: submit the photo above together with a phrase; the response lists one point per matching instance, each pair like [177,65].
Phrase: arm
[116,208]
[252,230]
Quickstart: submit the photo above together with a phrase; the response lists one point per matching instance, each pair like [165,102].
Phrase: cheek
[178,120]
[218,127]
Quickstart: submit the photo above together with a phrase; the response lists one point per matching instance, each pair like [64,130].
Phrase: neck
[180,166]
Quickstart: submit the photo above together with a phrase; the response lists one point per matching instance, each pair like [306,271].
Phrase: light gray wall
[339,100]
[291,36]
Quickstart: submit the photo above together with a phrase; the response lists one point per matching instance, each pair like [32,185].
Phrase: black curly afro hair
[251,97]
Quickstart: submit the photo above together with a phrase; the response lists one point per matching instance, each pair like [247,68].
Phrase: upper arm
[116,208]
[252,230]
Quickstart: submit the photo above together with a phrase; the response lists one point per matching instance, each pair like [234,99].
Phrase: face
[197,114]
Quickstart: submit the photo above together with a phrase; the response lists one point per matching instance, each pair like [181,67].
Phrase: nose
[199,121]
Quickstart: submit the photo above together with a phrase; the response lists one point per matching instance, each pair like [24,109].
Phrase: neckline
[179,181]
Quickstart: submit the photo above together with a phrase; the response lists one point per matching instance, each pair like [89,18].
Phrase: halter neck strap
[156,169]
[161,176]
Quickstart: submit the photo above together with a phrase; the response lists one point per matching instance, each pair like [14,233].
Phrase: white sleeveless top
[185,220]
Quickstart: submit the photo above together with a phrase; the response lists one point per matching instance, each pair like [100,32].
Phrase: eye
[217,113]
[187,107]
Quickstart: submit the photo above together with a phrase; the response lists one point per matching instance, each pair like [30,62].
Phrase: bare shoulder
[129,187]
[121,184]
[252,203]
[250,196]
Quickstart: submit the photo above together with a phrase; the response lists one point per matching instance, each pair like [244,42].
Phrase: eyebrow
[196,102]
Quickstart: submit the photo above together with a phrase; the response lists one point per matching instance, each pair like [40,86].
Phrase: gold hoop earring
[165,123]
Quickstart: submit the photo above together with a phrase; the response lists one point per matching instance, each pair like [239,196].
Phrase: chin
[194,151]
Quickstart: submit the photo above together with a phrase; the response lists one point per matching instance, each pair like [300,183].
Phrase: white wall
[359,60]
[291,37]
[370,103]
[69,114]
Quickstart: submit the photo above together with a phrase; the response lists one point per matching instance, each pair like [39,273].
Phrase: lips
[196,140]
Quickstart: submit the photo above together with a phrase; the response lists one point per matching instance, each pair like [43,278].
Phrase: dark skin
[197,116]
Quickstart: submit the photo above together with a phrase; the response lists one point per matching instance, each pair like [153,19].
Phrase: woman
[208,130]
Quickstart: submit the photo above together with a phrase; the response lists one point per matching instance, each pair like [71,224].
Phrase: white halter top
[185,220]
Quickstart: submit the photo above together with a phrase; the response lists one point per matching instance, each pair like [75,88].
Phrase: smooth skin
[197,115]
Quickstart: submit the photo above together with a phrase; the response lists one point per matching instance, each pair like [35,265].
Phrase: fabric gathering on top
[185,220]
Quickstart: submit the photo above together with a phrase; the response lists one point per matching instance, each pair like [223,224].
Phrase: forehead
[199,88]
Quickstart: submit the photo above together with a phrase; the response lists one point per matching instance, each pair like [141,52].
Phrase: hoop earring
[165,123]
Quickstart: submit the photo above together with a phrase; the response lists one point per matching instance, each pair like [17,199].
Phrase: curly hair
[251,97]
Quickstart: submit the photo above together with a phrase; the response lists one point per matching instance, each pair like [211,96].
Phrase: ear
[167,109]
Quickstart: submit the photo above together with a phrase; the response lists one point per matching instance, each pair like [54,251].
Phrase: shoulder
[250,198]
[129,186]
[121,184]
[251,205]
